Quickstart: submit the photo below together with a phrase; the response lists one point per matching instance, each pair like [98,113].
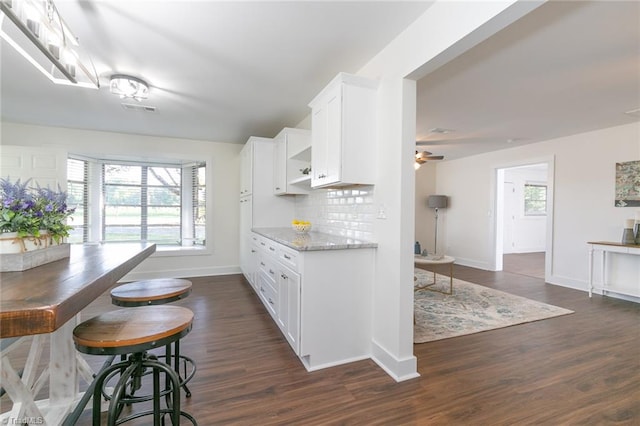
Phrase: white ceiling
[566,68]
[224,71]
[219,70]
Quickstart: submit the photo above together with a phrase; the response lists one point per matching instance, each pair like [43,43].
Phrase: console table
[608,247]
[46,301]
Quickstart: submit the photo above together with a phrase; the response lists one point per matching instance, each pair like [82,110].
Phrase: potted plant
[31,218]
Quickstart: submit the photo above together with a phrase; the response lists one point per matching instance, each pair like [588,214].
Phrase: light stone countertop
[312,241]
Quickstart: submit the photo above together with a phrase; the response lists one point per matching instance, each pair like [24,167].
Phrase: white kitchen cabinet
[343,133]
[246,169]
[288,302]
[292,154]
[258,206]
[320,300]
[251,261]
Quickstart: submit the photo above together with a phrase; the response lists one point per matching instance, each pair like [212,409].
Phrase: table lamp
[436,202]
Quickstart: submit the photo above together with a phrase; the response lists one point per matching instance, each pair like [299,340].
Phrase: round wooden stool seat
[125,331]
[151,292]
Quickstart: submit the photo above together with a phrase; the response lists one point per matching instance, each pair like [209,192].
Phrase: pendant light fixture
[42,37]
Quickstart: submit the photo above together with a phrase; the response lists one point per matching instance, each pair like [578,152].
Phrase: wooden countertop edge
[52,317]
[612,243]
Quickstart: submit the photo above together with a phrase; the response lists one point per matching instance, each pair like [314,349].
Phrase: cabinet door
[334,137]
[319,145]
[246,216]
[280,166]
[246,169]
[289,306]
[252,265]
[326,121]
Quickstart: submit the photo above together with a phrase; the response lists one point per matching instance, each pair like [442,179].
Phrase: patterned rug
[470,309]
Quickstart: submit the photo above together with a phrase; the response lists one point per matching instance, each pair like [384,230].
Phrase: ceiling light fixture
[633,112]
[127,86]
[441,131]
[44,39]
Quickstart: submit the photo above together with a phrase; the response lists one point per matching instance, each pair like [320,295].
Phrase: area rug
[470,309]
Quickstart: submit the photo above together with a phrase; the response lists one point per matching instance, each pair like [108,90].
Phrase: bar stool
[133,332]
[159,292]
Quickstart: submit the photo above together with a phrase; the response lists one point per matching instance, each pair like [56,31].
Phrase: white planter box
[20,254]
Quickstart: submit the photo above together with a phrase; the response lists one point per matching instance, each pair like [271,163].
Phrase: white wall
[444,31]
[221,256]
[583,199]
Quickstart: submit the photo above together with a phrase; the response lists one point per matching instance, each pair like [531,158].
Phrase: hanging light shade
[42,37]
[127,86]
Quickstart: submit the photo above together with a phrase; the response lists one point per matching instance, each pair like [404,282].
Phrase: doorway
[523,219]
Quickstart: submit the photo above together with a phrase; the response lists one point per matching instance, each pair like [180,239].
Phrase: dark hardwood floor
[579,369]
[531,264]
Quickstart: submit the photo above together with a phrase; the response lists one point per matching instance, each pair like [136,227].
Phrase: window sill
[166,251]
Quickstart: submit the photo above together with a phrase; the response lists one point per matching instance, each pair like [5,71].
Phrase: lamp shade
[437,201]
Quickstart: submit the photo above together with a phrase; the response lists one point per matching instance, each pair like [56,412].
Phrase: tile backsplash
[348,212]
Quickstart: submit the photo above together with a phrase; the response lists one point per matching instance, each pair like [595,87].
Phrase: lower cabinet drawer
[267,265]
[268,293]
[288,257]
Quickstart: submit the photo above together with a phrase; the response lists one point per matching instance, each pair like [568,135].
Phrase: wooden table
[46,301]
[441,260]
[608,247]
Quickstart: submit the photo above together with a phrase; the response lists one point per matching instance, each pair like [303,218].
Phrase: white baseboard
[584,286]
[399,369]
[181,273]
[473,264]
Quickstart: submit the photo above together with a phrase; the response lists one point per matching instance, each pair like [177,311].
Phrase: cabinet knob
[270,301]
[277,188]
[271,271]
[253,251]
[262,263]
[286,256]
[284,277]
[272,249]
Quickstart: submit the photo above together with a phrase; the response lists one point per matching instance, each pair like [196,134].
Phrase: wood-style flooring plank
[578,369]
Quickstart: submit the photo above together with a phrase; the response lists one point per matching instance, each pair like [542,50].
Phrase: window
[535,199]
[138,201]
[78,196]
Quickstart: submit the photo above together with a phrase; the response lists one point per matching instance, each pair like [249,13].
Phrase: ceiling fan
[424,156]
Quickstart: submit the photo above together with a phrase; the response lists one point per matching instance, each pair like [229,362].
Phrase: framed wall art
[628,184]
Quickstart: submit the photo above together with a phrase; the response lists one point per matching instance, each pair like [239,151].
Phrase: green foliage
[28,211]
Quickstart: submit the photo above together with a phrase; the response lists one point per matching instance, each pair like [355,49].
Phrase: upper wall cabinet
[246,170]
[292,156]
[343,125]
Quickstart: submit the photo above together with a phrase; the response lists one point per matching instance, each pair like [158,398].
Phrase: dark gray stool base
[159,291]
[134,332]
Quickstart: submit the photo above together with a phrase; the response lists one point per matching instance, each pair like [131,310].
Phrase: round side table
[432,260]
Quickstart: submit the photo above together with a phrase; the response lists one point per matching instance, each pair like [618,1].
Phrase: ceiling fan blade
[435,157]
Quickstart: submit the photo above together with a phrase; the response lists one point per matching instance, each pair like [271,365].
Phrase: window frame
[94,217]
[525,199]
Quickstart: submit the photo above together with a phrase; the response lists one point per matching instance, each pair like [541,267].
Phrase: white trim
[496,171]
[331,364]
[472,263]
[181,273]
[399,369]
